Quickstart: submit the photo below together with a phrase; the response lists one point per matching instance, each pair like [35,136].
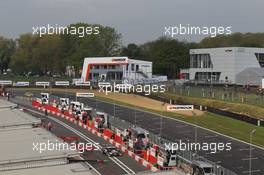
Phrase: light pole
[195,129]
[211,81]
[135,112]
[161,117]
[135,115]
[114,105]
[250,147]
[95,103]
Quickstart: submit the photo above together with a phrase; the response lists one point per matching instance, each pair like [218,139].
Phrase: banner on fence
[5,82]
[80,83]
[180,107]
[21,83]
[42,83]
[104,84]
[84,94]
[62,83]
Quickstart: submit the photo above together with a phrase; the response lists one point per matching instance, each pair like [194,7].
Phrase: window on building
[95,76]
[137,67]
[207,76]
[260,57]
[193,61]
[200,61]
[120,76]
[132,67]
[127,66]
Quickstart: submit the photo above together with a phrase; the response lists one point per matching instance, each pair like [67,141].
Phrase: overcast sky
[138,20]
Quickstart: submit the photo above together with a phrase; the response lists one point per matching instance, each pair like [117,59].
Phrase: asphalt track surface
[64,128]
[237,159]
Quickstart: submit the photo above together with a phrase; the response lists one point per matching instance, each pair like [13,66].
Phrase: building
[225,65]
[17,149]
[117,69]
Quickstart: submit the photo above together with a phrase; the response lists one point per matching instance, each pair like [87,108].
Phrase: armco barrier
[104,135]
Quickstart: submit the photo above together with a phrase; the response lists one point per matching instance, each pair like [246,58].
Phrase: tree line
[51,54]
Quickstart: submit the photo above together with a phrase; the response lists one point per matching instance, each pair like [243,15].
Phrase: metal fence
[224,93]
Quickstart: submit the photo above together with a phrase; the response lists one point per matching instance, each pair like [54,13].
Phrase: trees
[234,40]
[21,61]
[168,55]
[52,53]
[75,49]
[132,51]
[7,47]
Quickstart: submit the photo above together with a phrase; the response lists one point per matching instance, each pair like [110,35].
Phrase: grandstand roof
[14,118]
[6,104]
[17,150]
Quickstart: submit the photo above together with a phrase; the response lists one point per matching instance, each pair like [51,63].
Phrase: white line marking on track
[246,149]
[252,171]
[252,158]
